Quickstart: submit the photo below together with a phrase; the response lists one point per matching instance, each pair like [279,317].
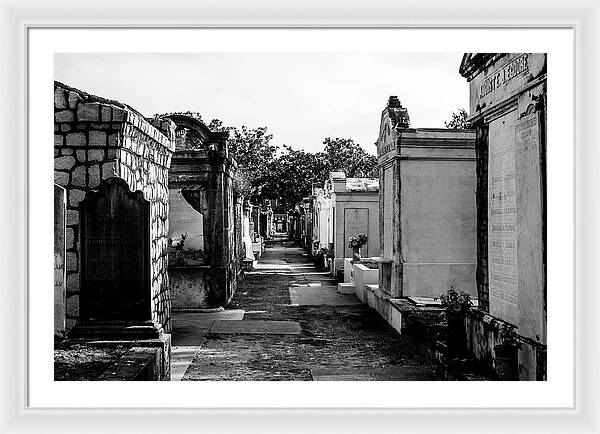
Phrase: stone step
[138,364]
[345,288]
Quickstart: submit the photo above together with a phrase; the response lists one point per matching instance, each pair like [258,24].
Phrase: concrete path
[402,373]
[256,327]
[288,322]
[306,295]
[181,357]
[189,329]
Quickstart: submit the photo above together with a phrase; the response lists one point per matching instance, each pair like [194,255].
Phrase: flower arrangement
[456,302]
[178,244]
[508,335]
[506,354]
[358,241]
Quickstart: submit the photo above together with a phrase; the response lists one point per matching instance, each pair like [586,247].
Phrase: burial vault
[508,106]
[113,164]
[204,244]
[427,224]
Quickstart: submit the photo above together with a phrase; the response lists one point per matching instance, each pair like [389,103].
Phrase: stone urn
[507,364]
[457,335]
[456,306]
[507,354]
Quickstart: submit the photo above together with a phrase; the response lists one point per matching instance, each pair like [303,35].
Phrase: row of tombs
[460,209]
[146,221]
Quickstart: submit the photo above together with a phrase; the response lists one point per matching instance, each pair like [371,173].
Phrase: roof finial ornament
[397,113]
[393,101]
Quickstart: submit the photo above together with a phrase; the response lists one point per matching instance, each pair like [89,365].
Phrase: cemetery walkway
[288,322]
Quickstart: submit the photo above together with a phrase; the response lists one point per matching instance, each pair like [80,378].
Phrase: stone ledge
[346,288]
[361,266]
[403,304]
[382,260]
[390,309]
[189,267]
[138,364]
[161,347]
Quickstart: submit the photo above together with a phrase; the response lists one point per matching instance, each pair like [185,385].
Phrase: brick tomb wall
[94,139]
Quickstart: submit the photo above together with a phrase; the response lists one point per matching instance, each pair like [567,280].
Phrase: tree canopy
[293,173]
[458,120]
[266,171]
[343,155]
[251,149]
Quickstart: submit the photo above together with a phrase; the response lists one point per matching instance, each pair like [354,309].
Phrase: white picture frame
[19,17]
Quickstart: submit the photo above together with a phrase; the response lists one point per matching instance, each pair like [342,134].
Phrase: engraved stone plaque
[502,220]
[504,77]
[115,254]
[59,260]
[356,221]
[532,322]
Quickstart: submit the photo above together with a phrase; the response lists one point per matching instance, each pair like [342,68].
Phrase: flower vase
[457,335]
[356,254]
[179,257]
[507,362]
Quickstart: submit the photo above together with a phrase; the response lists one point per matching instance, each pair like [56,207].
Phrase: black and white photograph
[317,217]
[296,216]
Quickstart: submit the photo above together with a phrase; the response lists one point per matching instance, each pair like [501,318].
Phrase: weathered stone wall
[60,294]
[94,139]
[484,334]
[481,152]
[239,249]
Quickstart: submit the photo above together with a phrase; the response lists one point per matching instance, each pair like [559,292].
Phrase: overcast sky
[301,98]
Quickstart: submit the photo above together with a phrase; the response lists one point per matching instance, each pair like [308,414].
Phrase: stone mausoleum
[203,242]
[426,206]
[266,227]
[508,111]
[321,221]
[113,165]
[354,210]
